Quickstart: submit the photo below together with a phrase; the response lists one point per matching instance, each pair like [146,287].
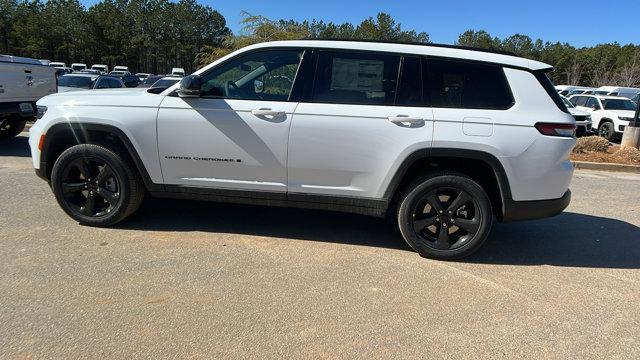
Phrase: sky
[580,23]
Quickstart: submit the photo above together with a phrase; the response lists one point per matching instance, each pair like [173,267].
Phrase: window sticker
[357,75]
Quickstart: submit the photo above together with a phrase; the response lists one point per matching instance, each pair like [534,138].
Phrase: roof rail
[471,48]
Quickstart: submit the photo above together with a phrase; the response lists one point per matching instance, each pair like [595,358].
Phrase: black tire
[10,128]
[113,185]
[436,231]
[607,131]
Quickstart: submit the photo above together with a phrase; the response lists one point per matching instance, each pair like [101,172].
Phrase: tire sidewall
[611,129]
[405,216]
[109,158]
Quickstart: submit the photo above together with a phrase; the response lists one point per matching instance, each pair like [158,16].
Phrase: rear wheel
[11,127]
[95,185]
[445,216]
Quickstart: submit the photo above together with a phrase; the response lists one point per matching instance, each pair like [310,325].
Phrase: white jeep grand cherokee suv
[443,138]
[609,113]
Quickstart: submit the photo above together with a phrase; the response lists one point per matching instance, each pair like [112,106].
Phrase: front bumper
[537,209]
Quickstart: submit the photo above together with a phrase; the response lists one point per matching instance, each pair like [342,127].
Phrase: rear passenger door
[361,114]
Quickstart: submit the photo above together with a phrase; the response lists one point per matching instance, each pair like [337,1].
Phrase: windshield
[164,83]
[82,82]
[151,79]
[618,104]
[567,103]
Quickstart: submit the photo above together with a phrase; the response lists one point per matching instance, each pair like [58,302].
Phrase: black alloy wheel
[95,185]
[90,187]
[446,218]
[444,215]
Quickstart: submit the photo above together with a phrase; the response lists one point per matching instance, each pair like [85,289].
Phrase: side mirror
[258,86]
[190,86]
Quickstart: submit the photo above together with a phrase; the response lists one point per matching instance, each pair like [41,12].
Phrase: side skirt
[371,207]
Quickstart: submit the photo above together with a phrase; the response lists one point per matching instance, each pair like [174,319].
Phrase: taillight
[551,129]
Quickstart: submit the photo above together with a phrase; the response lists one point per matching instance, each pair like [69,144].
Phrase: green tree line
[147,35]
[603,64]
[155,35]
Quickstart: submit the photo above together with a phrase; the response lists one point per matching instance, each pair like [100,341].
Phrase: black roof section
[448,46]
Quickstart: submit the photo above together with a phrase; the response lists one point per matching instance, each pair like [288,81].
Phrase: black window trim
[290,98]
[500,67]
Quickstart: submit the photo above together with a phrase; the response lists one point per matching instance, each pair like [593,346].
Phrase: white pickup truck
[23,81]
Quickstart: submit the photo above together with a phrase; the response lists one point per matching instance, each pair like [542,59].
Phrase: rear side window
[356,78]
[458,84]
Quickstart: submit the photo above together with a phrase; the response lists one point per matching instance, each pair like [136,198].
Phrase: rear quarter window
[466,85]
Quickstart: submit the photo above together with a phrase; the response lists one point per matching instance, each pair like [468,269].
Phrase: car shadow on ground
[569,239]
[17,146]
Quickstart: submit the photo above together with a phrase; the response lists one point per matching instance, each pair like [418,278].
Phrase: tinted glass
[457,84]
[82,82]
[579,100]
[265,75]
[165,83]
[113,83]
[592,103]
[619,104]
[410,87]
[356,78]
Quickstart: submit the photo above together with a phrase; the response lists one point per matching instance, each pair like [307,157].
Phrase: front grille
[580,117]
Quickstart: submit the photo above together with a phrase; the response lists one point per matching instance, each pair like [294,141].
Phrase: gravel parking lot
[203,280]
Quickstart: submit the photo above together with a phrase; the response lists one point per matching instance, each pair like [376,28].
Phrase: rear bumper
[538,209]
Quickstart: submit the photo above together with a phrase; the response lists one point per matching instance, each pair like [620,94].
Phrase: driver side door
[234,136]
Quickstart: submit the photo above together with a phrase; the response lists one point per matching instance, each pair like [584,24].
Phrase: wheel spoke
[83,166]
[104,174]
[420,224]
[89,206]
[109,196]
[69,187]
[443,238]
[435,203]
[469,225]
[460,200]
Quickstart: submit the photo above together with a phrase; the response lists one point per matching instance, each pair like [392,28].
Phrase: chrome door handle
[266,112]
[399,119]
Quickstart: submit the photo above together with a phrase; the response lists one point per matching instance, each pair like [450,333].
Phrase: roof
[417,49]
[79,74]
[17,59]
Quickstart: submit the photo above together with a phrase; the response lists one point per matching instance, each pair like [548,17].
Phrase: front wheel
[607,131]
[11,127]
[95,185]
[445,216]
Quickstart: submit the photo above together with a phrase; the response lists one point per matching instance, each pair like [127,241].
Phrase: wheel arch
[62,136]
[481,166]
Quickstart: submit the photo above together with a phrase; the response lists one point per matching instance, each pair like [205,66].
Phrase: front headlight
[624,118]
[40,112]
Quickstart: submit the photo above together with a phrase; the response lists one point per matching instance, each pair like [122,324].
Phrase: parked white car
[100,67]
[443,138]
[609,113]
[57,64]
[82,81]
[584,123]
[121,68]
[77,67]
[177,71]
[23,81]
[627,92]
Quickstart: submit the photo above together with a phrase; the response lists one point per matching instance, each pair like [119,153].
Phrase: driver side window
[264,75]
